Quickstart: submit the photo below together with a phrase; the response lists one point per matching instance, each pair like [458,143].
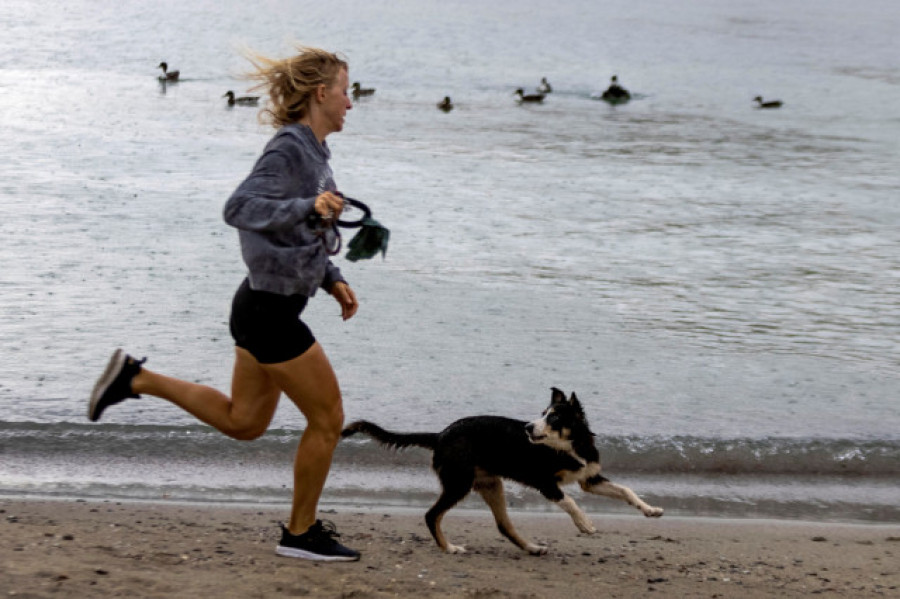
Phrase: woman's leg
[245,415]
[311,384]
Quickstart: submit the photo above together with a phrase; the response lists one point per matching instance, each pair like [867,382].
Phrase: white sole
[300,553]
[106,379]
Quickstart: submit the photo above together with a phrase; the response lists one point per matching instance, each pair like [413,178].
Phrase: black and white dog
[478,452]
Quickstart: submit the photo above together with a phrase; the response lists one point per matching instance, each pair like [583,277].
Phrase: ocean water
[719,284]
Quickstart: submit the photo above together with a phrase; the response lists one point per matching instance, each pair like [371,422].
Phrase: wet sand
[72,548]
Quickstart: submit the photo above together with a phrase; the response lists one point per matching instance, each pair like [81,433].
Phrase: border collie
[480,451]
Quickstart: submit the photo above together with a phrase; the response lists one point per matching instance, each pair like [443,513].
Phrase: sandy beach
[76,548]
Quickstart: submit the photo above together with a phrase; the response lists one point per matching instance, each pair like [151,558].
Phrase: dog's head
[560,424]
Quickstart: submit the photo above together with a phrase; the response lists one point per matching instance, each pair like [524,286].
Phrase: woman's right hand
[329,204]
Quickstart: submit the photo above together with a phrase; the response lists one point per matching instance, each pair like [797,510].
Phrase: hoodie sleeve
[262,202]
[332,276]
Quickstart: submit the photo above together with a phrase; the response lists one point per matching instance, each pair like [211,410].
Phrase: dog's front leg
[599,485]
[580,519]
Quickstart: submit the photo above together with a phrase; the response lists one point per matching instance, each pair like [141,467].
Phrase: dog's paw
[653,512]
[536,549]
[586,528]
[455,548]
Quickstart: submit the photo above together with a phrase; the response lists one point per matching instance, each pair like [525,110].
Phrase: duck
[240,100]
[615,93]
[167,75]
[769,104]
[544,87]
[361,91]
[523,97]
[446,104]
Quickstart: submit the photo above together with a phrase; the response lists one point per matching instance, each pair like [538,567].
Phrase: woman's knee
[247,426]
[328,424]
[249,431]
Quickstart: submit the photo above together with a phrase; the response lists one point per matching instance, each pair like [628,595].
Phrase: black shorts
[268,325]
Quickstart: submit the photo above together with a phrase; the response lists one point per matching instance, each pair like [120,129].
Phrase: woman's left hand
[346,298]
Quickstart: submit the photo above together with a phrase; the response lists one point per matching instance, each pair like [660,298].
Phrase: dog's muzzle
[529,430]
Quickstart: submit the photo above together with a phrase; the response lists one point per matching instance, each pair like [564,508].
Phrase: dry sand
[103,549]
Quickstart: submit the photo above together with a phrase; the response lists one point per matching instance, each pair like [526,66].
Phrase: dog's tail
[389,439]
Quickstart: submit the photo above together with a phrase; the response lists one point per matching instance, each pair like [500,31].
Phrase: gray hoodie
[284,253]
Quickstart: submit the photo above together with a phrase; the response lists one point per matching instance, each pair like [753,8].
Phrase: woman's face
[336,102]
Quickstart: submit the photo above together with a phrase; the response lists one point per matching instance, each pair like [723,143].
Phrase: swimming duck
[167,75]
[523,97]
[544,87]
[770,104]
[446,105]
[615,93]
[240,100]
[361,91]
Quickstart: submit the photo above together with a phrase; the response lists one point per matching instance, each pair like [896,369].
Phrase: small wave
[837,479]
[766,456]
[624,454]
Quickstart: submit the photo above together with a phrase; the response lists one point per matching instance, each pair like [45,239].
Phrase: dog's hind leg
[491,490]
[456,485]
[600,485]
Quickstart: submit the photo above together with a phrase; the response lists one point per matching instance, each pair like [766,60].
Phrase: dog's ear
[576,405]
[557,396]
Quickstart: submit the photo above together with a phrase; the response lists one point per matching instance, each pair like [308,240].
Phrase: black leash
[355,224]
[316,220]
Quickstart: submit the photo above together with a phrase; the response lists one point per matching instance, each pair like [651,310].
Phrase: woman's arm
[261,202]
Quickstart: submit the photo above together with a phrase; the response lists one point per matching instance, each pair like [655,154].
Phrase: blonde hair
[291,82]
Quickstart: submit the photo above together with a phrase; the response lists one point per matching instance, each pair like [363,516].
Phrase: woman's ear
[320,92]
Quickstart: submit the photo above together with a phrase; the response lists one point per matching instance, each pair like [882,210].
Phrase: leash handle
[354,224]
[316,221]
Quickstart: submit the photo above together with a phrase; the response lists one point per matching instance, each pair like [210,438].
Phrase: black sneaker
[115,383]
[318,543]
